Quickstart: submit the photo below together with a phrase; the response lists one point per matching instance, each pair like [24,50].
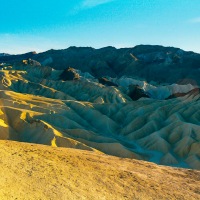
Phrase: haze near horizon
[39,26]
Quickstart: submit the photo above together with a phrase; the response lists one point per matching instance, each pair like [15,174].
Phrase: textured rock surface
[136,92]
[36,107]
[69,74]
[106,82]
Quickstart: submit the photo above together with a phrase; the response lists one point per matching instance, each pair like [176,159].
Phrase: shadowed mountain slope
[147,62]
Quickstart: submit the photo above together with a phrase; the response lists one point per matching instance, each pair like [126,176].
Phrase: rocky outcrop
[69,74]
[30,62]
[26,63]
[136,92]
[106,82]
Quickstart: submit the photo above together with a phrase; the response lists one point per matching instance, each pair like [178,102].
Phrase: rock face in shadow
[106,82]
[69,74]
[152,63]
[136,92]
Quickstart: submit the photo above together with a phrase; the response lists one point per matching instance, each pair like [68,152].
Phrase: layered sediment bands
[37,107]
[165,132]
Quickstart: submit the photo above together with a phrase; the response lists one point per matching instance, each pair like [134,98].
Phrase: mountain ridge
[93,48]
[147,62]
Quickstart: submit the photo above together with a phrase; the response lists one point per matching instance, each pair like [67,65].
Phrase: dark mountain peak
[4,54]
[108,48]
[154,48]
[74,48]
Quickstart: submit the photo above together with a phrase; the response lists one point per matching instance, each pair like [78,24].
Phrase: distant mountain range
[4,54]
[146,62]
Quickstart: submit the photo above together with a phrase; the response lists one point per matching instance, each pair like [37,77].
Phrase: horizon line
[96,48]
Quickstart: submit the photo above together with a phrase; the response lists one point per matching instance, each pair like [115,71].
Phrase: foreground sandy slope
[30,171]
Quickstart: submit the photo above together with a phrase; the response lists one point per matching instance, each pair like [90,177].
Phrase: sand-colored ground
[31,171]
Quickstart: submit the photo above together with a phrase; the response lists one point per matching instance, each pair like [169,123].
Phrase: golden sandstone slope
[31,171]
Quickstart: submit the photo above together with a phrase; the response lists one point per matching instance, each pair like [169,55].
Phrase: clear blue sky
[39,25]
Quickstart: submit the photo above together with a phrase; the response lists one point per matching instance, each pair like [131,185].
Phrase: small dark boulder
[69,74]
[105,81]
[136,92]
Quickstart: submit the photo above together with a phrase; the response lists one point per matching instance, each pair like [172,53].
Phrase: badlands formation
[100,110]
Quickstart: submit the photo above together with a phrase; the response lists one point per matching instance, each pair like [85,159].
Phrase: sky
[40,25]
